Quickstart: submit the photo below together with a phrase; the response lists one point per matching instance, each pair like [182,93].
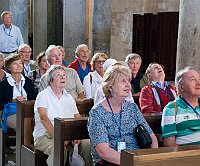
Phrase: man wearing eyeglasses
[81,64]
[156,95]
[181,118]
[10,35]
[25,51]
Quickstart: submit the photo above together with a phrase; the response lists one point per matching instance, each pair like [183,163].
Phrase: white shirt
[65,107]
[17,91]
[91,82]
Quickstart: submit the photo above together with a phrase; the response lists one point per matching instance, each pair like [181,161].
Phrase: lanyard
[195,111]
[4,28]
[27,69]
[167,94]
[18,88]
[115,120]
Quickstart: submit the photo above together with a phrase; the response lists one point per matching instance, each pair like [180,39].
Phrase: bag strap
[90,78]
[175,108]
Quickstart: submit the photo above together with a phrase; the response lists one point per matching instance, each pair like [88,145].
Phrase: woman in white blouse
[93,80]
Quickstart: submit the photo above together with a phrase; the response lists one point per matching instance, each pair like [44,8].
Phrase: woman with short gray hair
[52,102]
[138,80]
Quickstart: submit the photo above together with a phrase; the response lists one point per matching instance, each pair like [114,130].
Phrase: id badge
[121,146]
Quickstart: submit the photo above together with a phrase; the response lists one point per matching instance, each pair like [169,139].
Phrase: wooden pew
[27,154]
[3,138]
[136,100]
[178,156]
[67,129]
[84,106]
[154,121]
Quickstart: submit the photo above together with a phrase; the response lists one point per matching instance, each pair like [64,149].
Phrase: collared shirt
[183,124]
[91,82]
[27,68]
[63,107]
[10,38]
[17,91]
[159,85]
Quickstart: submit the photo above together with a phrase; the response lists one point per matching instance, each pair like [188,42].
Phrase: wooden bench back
[25,112]
[67,129]
[84,106]
[178,156]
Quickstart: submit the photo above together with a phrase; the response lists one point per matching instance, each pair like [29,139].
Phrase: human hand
[76,142]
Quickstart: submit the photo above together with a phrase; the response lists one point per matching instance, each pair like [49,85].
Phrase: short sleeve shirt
[103,128]
[65,107]
[184,124]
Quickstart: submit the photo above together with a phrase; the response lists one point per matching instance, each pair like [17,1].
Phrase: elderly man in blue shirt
[10,35]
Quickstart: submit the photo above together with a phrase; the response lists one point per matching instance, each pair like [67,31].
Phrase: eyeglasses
[100,62]
[27,52]
[85,52]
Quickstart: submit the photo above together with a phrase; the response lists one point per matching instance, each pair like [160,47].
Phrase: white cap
[108,62]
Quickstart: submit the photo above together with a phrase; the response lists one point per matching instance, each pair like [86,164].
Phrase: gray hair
[51,70]
[5,13]
[132,56]
[2,56]
[48,52]
[22,46]
[179,76]
[80,47]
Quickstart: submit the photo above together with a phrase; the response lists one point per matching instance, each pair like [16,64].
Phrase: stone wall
[122,21]
[73,26]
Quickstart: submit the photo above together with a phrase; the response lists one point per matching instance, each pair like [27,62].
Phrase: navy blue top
[6,91]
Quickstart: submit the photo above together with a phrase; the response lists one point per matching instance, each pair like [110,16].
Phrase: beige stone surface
[122,21]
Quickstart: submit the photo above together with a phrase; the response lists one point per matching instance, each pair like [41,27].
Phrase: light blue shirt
[10,38]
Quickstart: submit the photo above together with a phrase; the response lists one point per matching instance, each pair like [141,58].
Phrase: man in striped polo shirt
[181,119]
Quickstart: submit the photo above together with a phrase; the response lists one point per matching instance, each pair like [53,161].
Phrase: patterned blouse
[103,127]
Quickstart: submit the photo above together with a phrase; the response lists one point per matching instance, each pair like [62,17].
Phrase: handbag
[143,137]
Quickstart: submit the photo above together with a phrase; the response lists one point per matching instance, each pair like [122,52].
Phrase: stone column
[101,26]
[74,23]
[19,10]
[39,26]
[188,48]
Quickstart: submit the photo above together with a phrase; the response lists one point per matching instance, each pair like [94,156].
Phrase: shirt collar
[159,85]
[51,91]
[11,81]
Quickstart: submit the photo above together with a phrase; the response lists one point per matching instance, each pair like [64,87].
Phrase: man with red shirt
[158,93]
[81,64]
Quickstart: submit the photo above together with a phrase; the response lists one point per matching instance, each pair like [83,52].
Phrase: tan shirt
[73,87]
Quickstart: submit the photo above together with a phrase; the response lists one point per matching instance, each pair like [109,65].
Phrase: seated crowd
[56,85]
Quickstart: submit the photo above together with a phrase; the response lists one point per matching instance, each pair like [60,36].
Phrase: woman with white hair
[52,102]
[112,121]
[94,79]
